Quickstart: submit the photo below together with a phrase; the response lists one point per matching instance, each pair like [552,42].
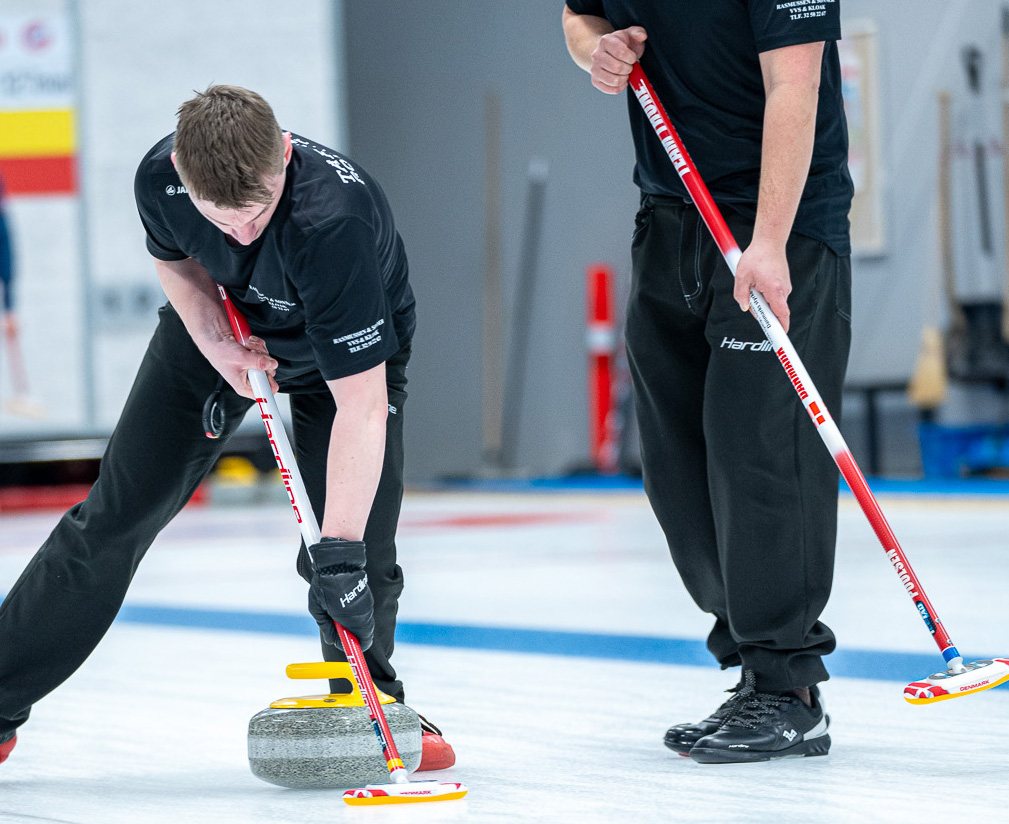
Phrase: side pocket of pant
[843,268]
[691,278]
[642,219]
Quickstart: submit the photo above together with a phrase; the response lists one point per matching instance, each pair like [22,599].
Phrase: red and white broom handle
[310,532]
[790,361]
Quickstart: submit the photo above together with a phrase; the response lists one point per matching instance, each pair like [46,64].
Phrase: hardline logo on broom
[285,473]
[654,115]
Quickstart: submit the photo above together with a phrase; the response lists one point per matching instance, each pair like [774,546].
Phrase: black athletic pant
[70,592]
[741,484]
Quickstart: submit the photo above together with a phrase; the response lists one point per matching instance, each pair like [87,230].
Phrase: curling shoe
[436,752]
[6,747]
[763,726]
[682,737]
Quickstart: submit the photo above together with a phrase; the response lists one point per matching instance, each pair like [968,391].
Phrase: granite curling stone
[328,741]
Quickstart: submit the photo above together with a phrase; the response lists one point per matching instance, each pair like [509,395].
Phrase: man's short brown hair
[226,143]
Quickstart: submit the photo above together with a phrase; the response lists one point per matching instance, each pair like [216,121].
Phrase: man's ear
[176,165]
[288,149]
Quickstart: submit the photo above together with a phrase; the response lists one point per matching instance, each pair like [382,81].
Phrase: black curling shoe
[682,737]
[763,726]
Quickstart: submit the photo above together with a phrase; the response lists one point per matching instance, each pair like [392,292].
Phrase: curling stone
[328,741]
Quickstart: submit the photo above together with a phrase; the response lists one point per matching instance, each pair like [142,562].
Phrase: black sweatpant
[741,484]
[71,590]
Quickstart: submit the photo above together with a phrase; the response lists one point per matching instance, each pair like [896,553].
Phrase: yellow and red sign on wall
[38,139]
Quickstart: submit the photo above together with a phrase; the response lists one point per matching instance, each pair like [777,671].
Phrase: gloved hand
[338,590]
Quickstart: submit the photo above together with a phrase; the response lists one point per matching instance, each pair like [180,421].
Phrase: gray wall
[920,42]
[414,80]
[417,83]
[418,74]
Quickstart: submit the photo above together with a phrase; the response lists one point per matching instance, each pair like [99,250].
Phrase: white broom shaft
[283,452]
[311,533]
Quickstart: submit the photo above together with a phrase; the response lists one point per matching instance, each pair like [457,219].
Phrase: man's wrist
[337,555]
[769,240]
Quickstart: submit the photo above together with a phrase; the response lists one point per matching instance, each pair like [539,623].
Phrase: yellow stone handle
[322,669]
[327,669]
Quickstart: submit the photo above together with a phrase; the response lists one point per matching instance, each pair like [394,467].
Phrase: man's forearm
[582,33]
[356,452]
[193,293]
[791,78]
[354,466]
[789,130]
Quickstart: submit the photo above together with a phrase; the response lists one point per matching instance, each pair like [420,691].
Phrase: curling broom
[401,790]
[959,678]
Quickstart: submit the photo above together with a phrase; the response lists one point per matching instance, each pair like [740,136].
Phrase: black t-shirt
[702,58]
[325,285]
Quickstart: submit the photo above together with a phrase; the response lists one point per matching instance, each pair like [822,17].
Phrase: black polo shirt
[325,284]
[702,57]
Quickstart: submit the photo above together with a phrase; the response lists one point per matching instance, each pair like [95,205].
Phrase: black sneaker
[764,725]
[683,736]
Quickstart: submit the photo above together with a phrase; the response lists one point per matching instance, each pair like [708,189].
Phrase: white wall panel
[138,62]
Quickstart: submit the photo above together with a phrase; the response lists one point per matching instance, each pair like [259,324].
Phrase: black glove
[338,589]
